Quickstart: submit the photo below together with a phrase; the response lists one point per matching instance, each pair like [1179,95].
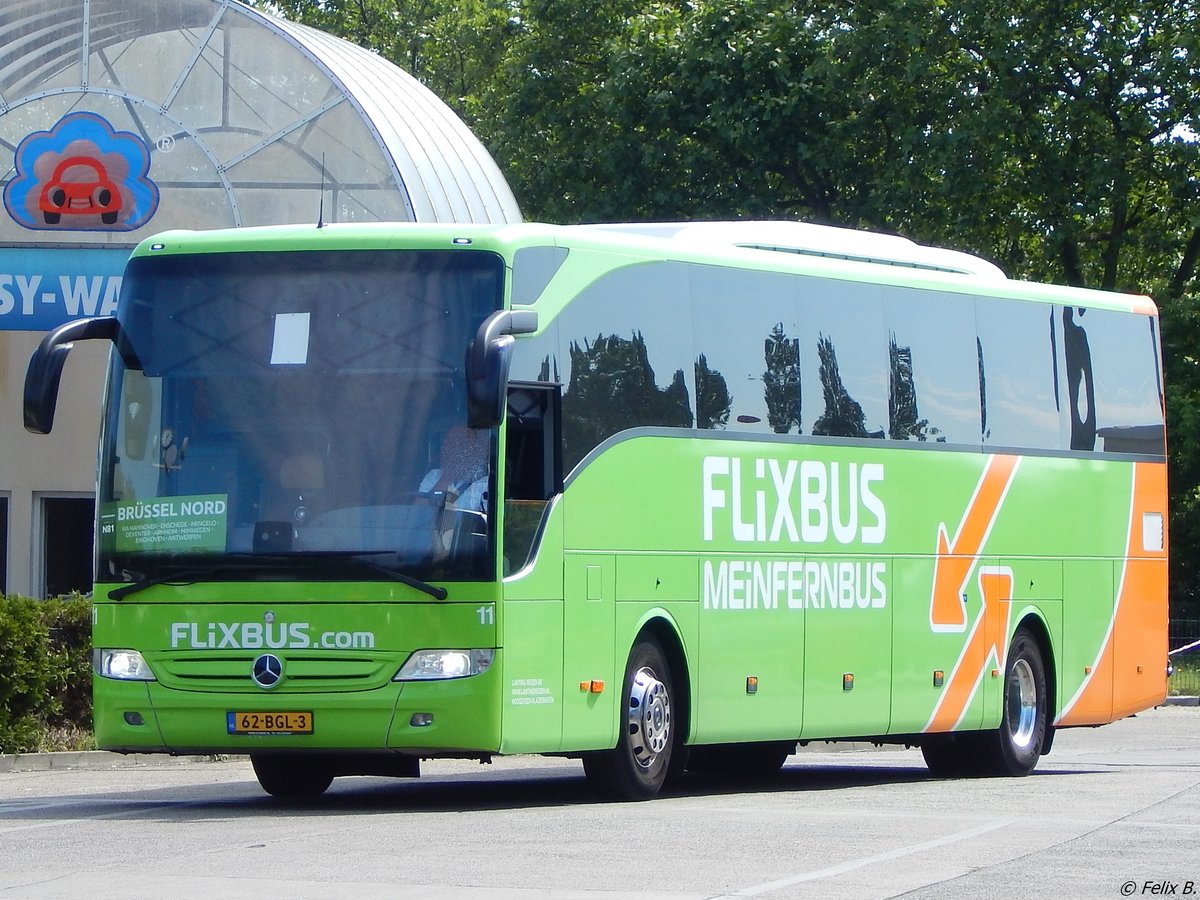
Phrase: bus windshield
[298,415]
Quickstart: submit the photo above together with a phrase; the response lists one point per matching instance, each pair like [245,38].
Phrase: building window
[67,533]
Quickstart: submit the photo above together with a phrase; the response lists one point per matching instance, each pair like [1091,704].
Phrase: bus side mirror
[46,365]
[489,356]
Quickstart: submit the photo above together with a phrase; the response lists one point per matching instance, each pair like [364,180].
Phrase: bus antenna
[321,202]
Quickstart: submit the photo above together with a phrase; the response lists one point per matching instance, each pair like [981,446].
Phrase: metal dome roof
[244,117]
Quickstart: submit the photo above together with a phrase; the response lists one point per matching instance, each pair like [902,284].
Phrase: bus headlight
[432,665]
[124,665]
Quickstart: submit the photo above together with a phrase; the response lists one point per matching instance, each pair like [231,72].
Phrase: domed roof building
[123,118]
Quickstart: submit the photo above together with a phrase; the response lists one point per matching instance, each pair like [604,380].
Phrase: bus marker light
[848,681]
[1087,670]
[596,687]
[939,677]
[751,684]
[421,720]
[995,673]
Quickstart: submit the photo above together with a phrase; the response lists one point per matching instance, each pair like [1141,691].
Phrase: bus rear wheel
[1014,747]
[638,766]
[293,776]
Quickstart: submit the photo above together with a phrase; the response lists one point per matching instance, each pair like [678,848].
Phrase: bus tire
[293,776]
[1014,747]
[638,766]
[740,761]
[952,755]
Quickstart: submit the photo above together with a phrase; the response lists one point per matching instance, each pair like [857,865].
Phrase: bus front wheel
[293,776]
[649,734]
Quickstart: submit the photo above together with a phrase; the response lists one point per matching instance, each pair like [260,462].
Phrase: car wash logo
[81,175]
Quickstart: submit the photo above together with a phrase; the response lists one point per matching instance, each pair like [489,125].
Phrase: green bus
[659,497]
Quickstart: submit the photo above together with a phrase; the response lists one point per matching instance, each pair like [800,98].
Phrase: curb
[92,759]
[1182,701]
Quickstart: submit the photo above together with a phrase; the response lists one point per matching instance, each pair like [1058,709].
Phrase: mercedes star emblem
[267,671]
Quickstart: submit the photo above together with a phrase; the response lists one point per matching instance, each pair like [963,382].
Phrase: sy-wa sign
[41,288]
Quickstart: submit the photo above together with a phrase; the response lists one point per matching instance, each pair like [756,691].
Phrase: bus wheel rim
[1022,703]
[649,718]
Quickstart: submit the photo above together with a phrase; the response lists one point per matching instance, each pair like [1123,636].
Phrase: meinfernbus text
[660,497]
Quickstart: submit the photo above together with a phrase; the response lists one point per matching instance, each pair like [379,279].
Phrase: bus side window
[1121,369]
[1017,376]
[532,465]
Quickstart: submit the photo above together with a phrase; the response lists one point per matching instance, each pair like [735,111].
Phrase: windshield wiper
[239,562]
[437,593]
[183,576]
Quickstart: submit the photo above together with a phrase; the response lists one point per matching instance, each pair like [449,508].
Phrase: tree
[781,380]
[713,400]
[613,387]
[1056,137]
[454,47]
[903,421]
[843,416]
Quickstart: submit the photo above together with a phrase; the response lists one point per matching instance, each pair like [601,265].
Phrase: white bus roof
[816,240]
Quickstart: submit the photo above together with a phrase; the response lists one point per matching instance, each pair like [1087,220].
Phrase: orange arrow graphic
[985,644]
[952,568]
[947,606]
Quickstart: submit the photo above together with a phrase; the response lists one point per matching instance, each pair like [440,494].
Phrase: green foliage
[1181,352]
[45,673]
[69,625]
[1056,137]
[25,673]
[1185,680]
[452,46]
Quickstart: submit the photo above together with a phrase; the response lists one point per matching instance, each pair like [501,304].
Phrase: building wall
[34,466]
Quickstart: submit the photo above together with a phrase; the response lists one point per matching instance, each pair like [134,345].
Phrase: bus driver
[461,480]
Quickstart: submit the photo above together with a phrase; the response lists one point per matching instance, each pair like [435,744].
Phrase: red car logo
[90,192]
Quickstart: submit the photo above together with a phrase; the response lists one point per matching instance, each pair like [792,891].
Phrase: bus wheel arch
[650,740]
[665,632]
[668,639]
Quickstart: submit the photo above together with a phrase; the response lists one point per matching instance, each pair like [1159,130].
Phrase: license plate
[269,722]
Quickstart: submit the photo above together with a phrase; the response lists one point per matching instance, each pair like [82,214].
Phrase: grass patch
[1186,680]
[59,738]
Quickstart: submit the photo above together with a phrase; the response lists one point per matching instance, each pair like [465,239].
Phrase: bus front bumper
[455,716]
